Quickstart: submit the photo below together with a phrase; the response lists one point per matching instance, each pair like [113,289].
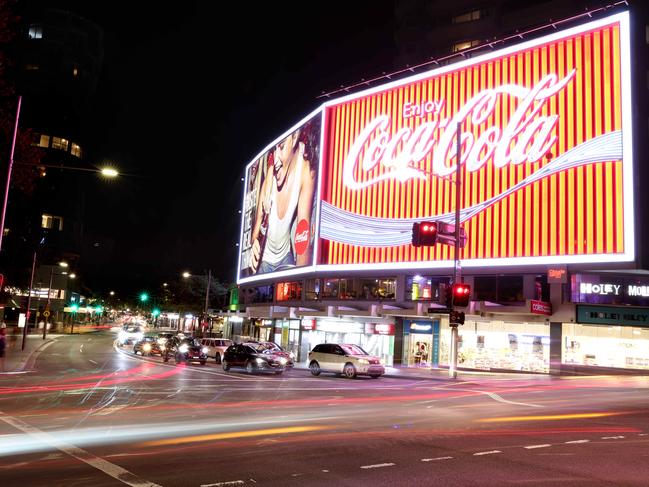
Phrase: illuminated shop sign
[558,275]
[606,289]
[546,158]
[608,315]
[540,307]
[379,328]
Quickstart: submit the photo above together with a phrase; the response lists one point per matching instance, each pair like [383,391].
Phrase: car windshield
[353,350]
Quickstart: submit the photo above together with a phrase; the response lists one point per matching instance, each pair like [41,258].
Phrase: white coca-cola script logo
[302,236]
[526,137]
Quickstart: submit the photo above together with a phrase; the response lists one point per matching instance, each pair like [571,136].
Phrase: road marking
[574,442]
[326,471]
[81,348]
[496,397]
[643,434]
[491,452]
[532,447]
[378,465]
[435,459]
[220,484]
[612,437]
[93,362]
[105,466]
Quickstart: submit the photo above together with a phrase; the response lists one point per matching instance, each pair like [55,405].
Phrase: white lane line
[643,434]
[81,348]
[435,459]
[105,466]
[612,437]
[574,442]
[378,465]
[496,397]
[533,447]
[491,452]
[93,362]
[221,484]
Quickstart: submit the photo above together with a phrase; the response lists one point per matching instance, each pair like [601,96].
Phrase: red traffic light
[461,295]
[424,234]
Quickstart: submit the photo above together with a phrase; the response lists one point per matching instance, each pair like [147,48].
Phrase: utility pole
[29,301]
[207,294]
[47,306]
[457,271]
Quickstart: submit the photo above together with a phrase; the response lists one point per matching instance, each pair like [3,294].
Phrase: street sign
[46,313]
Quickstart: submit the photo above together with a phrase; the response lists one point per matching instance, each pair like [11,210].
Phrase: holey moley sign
[546,158]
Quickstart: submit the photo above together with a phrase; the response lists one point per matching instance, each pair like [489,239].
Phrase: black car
[275,349]
[253,357]
[148,345]
[185,349]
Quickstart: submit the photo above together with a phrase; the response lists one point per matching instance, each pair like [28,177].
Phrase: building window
[52,222]
[75,71]
[43,141]
[499,289]
[288,291]
[468,17]
[313,289]
[76,150]
[35,31]
[425,288]
[32,67]
[461,46]
[59,143]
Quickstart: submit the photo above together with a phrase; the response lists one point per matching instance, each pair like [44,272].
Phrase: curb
[31,357]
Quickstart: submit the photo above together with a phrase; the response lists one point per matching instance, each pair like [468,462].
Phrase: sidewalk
[18,360]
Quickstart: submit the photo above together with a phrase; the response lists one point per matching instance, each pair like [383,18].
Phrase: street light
[186,274]
[109,172]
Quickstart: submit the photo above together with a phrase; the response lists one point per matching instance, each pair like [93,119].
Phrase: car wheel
[315,368]
[203,362]
[217,358]
[250,368]
[375,376]
[225,365]
[349,371]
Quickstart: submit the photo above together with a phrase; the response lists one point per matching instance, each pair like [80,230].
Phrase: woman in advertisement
[285,200]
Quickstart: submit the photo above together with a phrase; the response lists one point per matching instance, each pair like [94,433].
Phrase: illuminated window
[288,291]
[32,67]
[461,46]
[76,150]
[75,71]
[44,141]
[35,31]
[59,143]
[468,17]
[52,222]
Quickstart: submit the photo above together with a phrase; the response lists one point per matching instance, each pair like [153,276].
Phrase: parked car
[216,347]
[347,359]
[253,358]
[130,334]
[277,350]
[148,345]
[185,349]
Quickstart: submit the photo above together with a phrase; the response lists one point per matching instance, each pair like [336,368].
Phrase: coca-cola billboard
[545,158]
[279,207]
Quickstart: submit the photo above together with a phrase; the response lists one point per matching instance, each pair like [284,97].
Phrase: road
[89,414]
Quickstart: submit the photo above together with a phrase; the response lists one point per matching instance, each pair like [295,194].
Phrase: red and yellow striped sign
[385,157]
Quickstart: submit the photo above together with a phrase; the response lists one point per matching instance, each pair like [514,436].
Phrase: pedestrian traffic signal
[424,234]
[461,295]
[456,317]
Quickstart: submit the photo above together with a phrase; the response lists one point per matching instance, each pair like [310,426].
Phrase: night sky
[188,95]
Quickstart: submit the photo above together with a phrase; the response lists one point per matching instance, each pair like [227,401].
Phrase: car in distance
[216,347]
[253,358]
[130,334]
[275,349]
[347,359]
[148,345]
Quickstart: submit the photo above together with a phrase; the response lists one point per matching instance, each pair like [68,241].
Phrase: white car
[130,334]
[347,359]
[216,347]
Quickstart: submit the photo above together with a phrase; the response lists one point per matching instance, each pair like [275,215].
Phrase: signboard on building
[558,275]
[610,315]
[546,158]
[540,307]
[608,288]
[546,163]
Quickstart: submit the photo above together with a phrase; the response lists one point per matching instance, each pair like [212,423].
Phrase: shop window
[330,289]
[346,289]
[288,291]
[425,288]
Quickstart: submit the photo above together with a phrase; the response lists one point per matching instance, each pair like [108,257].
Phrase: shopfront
[495,344]
[375,338]
[421,340]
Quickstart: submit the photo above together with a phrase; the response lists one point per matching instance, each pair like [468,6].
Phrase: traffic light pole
[452,369]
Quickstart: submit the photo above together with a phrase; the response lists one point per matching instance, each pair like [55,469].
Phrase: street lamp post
[49,295]
[29,301]
[11,163]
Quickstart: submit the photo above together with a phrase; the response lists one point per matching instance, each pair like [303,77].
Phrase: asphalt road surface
[89,414]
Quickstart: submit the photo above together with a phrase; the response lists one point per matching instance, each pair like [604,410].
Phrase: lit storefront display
[421,340]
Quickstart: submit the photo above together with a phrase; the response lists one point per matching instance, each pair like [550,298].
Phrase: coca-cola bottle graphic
[266,204]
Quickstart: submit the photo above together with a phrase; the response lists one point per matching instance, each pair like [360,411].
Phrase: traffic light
[99,309]
[461,295]
[144,297]
[155,312]
[456,317]
[424,234]
[74,307]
